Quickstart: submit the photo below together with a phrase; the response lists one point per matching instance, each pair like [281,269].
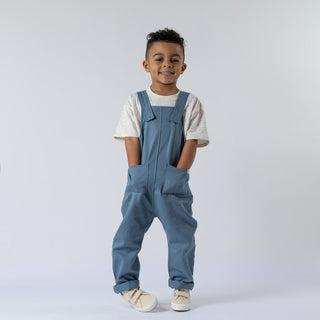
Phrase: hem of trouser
[180,285]
[126,286]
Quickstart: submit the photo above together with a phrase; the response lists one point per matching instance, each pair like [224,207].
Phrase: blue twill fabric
[156,188]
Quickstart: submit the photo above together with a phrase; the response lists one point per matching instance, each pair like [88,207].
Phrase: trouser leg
[175,215]
[128,239]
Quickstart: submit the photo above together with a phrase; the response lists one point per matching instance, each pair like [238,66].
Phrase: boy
[162,127]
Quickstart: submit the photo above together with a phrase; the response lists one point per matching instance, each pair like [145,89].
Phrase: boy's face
[165,63]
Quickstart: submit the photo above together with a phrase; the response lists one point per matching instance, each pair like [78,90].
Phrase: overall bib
[156,188]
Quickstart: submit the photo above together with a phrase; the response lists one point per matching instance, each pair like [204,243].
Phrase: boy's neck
[164,90]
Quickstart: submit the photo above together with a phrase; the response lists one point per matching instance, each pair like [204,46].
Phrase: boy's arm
[133,150]
[185,162]
[188,154]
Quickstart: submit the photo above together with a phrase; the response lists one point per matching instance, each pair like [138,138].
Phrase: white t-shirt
[194,121]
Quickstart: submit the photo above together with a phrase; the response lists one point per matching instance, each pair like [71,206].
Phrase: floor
[271,298]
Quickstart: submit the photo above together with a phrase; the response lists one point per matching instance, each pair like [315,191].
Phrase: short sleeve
[129,123]
[195,122]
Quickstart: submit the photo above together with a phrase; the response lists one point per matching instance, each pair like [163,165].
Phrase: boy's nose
[167,63]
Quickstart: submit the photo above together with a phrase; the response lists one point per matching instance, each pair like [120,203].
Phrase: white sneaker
[181,300]
[140,300]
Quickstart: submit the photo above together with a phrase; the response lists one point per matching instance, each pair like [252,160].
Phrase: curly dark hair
[166,34]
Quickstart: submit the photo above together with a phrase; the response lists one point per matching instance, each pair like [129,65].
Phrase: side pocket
[137,178]
[176,181]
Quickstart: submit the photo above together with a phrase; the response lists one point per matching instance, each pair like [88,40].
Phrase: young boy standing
[162,128]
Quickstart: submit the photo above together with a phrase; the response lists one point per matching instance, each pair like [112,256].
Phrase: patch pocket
[176,181]
[137,178]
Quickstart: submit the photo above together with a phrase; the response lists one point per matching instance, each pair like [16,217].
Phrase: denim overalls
[156,188]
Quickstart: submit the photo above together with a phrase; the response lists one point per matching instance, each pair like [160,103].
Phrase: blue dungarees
[156,188]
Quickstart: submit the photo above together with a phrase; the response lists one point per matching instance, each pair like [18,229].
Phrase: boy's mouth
[166,73]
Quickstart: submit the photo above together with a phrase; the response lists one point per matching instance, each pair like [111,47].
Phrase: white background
[67,67]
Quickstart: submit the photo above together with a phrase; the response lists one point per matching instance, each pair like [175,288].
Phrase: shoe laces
[135,295]
[184,293]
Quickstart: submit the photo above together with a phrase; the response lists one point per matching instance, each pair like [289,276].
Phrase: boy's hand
[133,150]
[188,154]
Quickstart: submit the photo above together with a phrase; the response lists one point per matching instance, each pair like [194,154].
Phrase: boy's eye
[173,60]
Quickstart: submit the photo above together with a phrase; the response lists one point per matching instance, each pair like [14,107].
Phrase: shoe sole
[149,308]
[180,307]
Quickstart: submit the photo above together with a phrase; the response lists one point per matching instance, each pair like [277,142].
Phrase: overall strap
[146,109]
[177,113]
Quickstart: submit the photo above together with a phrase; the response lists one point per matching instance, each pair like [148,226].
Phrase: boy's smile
[165,62]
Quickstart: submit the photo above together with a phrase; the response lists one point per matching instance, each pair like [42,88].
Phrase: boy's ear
[146,65]
[183,68]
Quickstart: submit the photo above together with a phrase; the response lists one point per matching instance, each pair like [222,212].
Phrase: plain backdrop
[66,69]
